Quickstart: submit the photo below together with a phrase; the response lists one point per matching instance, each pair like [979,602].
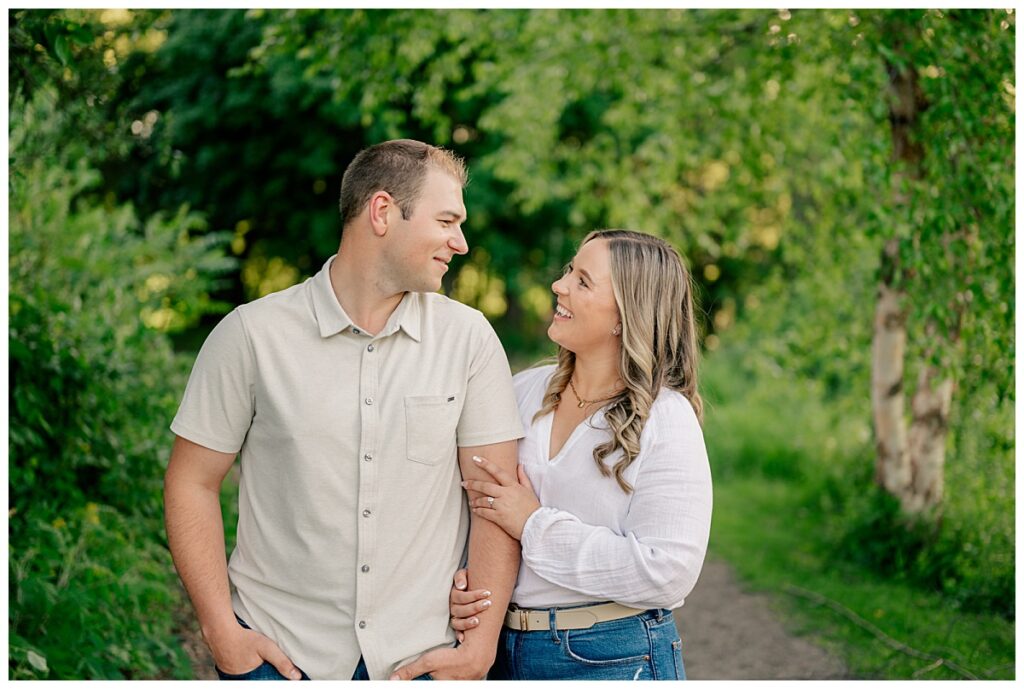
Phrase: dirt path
[729,633]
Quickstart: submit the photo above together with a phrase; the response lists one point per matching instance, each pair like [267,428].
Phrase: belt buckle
[524,620]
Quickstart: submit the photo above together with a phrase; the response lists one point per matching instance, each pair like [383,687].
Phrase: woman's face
[585,312]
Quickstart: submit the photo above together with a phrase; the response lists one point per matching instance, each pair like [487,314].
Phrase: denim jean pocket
[666,647]
[677,659]
[259,672]
[263,671]
[618,642]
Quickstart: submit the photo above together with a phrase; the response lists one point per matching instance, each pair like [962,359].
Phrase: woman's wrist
[531,524]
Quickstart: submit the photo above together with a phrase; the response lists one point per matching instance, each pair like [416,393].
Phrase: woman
[612,502]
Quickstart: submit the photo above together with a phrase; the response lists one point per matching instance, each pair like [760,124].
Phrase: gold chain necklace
[583,402]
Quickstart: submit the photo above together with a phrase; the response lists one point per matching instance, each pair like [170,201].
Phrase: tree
[564,129]
[949,253]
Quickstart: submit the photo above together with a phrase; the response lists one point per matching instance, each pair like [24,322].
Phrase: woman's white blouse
[590,541]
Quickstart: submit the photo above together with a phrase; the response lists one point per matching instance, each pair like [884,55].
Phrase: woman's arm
[658,559]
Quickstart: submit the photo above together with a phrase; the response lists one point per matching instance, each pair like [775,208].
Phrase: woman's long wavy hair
[654,294]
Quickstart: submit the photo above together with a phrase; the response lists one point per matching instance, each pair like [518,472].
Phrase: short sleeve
[217,408]
[490,413]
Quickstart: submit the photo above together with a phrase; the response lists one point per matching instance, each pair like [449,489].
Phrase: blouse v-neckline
[577,431]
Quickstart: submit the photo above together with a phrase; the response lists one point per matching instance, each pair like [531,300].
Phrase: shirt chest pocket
[430,427]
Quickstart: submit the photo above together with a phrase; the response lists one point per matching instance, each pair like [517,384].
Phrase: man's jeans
[362,673]
[642,647]
[266,671]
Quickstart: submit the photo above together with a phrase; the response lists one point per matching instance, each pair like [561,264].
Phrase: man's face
[422,246]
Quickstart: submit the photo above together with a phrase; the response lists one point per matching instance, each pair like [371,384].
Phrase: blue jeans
[642,647]
[266,671]
[362,673]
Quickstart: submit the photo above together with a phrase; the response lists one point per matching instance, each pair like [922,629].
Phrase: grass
[774,545]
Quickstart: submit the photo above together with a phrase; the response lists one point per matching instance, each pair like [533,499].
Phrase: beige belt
[525,620]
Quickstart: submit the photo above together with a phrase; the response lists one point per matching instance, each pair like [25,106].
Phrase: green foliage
[792,375]
[85,366]
[695,133]
[258,151]
[65,52]
[968,553]
[763,420]
[767,423]
[771,534]
[92,595]
[57,34]
[757,141]
[954,556]
[700,132]
[94,384]
[956,224]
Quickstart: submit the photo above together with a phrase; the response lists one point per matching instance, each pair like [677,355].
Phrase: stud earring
[617,331]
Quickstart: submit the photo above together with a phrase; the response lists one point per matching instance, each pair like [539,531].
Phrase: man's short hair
[398,167]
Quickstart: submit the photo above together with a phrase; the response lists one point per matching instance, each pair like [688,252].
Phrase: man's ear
[380,206]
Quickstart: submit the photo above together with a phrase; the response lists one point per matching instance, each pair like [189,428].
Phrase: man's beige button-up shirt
[352,521]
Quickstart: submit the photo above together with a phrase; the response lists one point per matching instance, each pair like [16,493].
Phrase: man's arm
[493,554]
[493,565]
[195,533]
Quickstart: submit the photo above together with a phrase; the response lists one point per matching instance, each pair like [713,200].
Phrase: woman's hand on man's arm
[507,503]
[466,605]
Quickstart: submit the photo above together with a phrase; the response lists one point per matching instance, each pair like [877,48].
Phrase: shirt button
[368,458]
[366,513]
[365,568]
[369,348]
[355,330]
[362,624]
[369,400]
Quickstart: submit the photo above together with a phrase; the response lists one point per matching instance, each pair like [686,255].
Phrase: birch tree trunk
[927,442]
[892,467]
[909,468]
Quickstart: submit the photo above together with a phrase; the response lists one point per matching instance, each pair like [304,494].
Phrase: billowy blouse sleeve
[655,561]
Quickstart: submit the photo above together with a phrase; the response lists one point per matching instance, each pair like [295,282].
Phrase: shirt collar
[332,319]
[407,316]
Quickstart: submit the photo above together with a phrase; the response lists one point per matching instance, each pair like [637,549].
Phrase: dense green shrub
[764,421]
[92,596]
[94,383]
[956,555]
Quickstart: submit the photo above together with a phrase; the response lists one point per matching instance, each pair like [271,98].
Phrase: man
[346,397]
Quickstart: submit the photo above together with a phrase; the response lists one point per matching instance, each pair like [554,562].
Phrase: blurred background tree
[166,164]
